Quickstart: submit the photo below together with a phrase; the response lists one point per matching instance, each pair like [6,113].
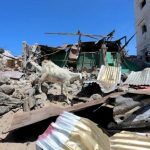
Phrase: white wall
[142,16]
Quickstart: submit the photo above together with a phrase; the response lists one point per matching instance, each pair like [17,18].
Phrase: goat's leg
[40,84]
[66,91]
[41,80]
[61,88]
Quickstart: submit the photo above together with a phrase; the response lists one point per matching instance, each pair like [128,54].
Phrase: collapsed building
[84,55]
[114,85]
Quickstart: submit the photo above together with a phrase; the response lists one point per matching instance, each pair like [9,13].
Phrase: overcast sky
[28,20]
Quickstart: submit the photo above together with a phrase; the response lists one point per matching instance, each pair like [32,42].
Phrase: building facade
[142,16]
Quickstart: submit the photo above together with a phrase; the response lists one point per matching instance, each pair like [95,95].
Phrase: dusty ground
[17,146]
[24,138]
[5,122]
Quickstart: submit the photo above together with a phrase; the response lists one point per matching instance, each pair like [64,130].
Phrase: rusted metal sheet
[11,74]
[27,118]
[109,77]
[139,78]
[130,141]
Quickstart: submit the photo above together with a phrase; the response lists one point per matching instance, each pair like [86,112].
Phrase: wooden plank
[27,118]
[139,91]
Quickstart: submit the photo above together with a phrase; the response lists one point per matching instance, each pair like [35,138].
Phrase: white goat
[55,74]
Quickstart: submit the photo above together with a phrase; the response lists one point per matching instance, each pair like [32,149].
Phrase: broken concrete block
[1,64]
[7,89]
[39,103]
[124,104]
[18,94]
[95,97]
[26,105]
[29,103]
[4,80]
[7,103]
[41,96]
[45,88]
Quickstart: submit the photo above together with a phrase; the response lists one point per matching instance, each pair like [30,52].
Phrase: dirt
[5,122]
[17,146]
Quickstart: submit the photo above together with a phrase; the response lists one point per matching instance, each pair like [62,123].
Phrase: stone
[95,97]
[124,104]
[41,96]
[4,80]
[45,88]
[1,64]
[26,107]
[4,109]
[18,94]
[1,89]
[7,103]
[29,103]
[39,103]
[7,89]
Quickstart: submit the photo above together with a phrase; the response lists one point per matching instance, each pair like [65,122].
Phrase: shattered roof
[139,78]
[109,77]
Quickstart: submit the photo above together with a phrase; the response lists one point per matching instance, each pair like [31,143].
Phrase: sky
[28,20]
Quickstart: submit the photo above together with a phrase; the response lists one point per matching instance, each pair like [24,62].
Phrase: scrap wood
[28,118]
[139,91]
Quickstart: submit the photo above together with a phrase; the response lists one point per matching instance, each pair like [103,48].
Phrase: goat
[52,73]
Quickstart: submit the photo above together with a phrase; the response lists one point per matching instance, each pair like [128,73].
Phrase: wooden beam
[27,118]
[139,91]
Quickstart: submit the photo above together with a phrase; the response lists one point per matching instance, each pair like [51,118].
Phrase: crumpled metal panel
[109,77]
[130,141]
[139,78]
[11,74]
[71,132]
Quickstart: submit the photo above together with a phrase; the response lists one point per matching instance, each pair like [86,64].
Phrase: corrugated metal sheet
[130,141]
[139,78]
[109,77]
[71,132]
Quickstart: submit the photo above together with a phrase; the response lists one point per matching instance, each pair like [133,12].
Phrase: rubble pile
[20,89]
[34,95]
[24,93]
